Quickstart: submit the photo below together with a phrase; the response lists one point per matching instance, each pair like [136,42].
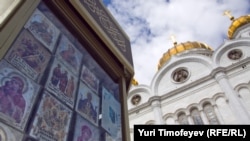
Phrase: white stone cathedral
[195,84]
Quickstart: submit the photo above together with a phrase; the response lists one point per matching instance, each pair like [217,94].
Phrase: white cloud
[150,23]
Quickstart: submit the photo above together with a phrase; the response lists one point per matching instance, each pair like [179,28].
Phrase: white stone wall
[217,80]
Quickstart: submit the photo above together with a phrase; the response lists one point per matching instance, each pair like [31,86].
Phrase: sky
[150,24]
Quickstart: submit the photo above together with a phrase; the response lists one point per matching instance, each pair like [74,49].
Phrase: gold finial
[228,13]
[173,39]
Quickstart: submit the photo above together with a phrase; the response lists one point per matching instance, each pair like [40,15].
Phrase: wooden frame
[6,9]
[104,24]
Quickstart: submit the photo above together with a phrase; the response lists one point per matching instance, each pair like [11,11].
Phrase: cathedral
[197,85]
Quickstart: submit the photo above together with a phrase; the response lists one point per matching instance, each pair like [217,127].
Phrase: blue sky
[150,23]
[106,2]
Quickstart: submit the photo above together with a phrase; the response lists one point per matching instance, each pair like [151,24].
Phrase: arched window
[211,116]
[182,118]
[195,114]
[150,122]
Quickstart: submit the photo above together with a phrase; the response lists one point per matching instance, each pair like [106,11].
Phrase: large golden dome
[236,23]
[178,48]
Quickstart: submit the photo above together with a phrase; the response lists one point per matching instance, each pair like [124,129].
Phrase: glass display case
[62,79]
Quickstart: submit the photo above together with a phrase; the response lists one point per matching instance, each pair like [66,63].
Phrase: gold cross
[228,13]
[173,39]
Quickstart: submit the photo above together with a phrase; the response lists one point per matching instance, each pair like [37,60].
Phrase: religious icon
[8,133]
[235,54]
[180,75]
[54,19]
[90,79]
[62,83]
[17,95]
[88,104]
[27,138]
[108,137]
[52,120]
[28,55]
[111,113]
[43,29]
[70,55]
[85,131]
[136,99]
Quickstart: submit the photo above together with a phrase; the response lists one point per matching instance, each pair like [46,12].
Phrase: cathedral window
[235,54]
[135,100]
[211,116]
[195,114]
[182,119]
[151,122]
[180,75]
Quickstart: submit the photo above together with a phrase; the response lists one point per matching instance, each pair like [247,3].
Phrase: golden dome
[134,82]
[178,48]
[236,23]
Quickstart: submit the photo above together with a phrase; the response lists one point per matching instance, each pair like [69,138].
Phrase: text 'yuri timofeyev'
[165,132]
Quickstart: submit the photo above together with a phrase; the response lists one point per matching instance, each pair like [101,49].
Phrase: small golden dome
[236,23]
[178,48]
[134,82]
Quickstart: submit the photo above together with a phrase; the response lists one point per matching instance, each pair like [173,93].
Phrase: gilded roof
[178,48]
[236,23]
[134,82]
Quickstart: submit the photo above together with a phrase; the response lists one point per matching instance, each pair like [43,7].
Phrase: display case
[65,70]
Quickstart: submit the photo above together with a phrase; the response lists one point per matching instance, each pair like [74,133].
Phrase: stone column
[204,117]
[156,106]
[238,109]
[190,120]
[219,117]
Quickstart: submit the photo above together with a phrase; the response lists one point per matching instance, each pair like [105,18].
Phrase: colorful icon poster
[28,55]
[90,79]
[108,137]
[43,29]
[70,55]
[85,131]
[52,120]
[62,83]
[111,113]
[8,133]
[17,96]
[88,104]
